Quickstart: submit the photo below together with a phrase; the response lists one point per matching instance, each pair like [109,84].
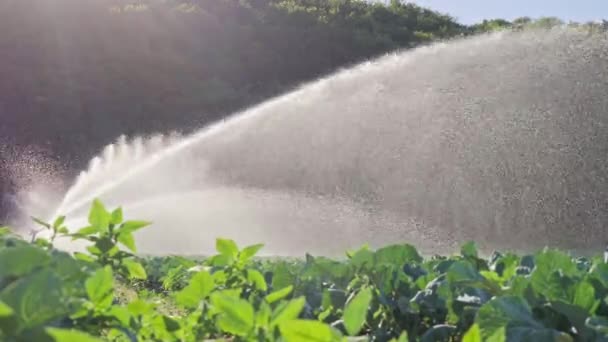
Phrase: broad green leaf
[287,311]
[127,240]
[100,288]
[473,334]
[36,299]
[98,215]
[220,260]
[200,286]
[262,317]
[135,269]
[463,272]
[140,307]
[257,279]
[20,260]
[576,315]
[5,310]
[83,257]
[282,276]
[551,271]
[308,331]
[397,254]
[469,249]
[236,314]
[130,227]
[116,216]
[599,271]
[122,314]
[249,252]
[171,324]
[509,318]
[355,313]
[64,335]
[278,295]
[226,247]
[584,296]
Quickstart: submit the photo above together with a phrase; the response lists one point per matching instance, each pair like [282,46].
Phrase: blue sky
[472,11]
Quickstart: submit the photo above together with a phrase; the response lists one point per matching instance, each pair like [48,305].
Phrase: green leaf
[100,288]
[576,315]
[58,222]
[257,279]
[278,295]
[21,260]
[227,248]
[236,314]
[63,335]
[308,331]
[282,276]
[127,240]
[403,337]
[510,318]
[551,271]
[599,271]
[355,312]
[130,227]
[140,307]
[199,288]
[98,216]
[5,310]
[584,296]
[469,249]
[36,299]
[90,230]
[397,254]
[287,311]
[262,317]
[135,269]
[171,324]
[83,257]
[116,216]
[249,252]
[473,334]
[463,272]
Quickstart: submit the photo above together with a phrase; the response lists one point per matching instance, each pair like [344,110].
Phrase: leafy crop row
[390,294]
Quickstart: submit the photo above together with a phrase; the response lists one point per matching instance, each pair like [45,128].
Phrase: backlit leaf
[308,331]
[236,314]
[355,312]
[287,311]
[200,286]
[64,335]
[278,295]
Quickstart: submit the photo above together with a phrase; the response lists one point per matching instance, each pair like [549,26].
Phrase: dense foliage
[392,293]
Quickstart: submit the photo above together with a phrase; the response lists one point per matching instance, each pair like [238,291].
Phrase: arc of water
[65,207]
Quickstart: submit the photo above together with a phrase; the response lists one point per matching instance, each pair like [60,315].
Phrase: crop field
[389,294]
